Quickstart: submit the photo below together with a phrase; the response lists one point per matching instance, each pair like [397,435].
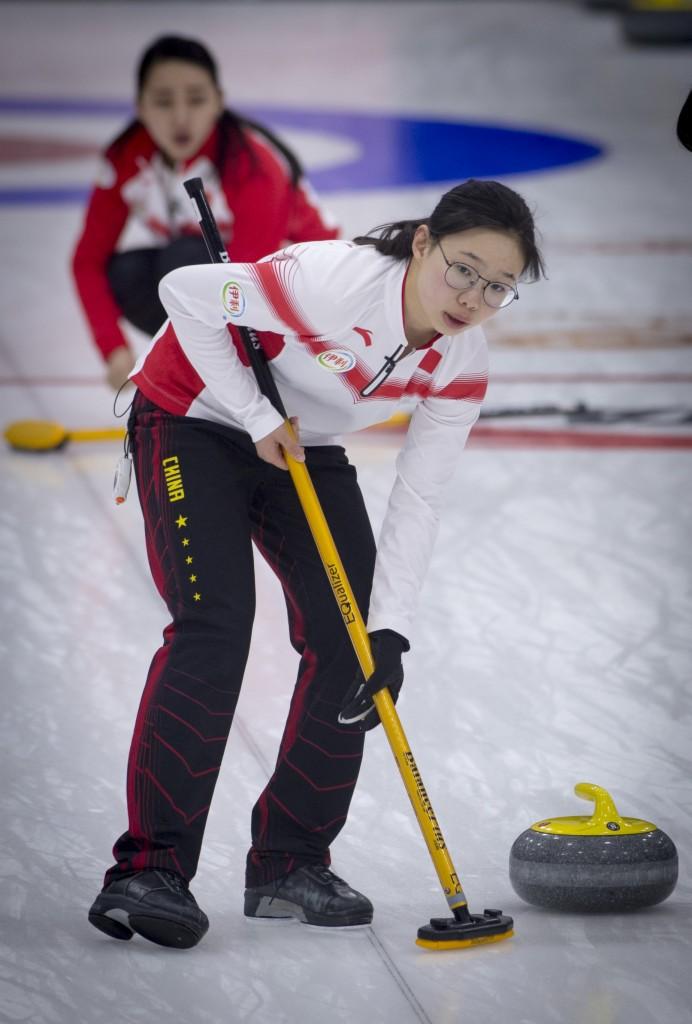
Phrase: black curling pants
[134,277]
[206,496]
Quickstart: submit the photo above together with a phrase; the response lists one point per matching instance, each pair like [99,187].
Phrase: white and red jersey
[139,202]
[329,316]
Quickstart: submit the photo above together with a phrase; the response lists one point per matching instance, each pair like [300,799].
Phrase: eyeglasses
[462,278]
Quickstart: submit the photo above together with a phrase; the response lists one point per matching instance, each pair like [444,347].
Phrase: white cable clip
[121,481]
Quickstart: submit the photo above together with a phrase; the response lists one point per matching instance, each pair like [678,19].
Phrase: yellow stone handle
[604,810]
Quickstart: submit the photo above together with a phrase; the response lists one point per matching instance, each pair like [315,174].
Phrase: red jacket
[257,208]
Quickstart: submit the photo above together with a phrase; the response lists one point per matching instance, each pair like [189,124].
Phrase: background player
[139,223]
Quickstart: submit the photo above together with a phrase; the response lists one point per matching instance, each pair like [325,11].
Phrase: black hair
[472,204]
[233,127]
[175,48]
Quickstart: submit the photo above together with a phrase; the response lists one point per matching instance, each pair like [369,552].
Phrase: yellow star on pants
[185,542]
[193,578]
[181,521]
[197,597]
[189,560]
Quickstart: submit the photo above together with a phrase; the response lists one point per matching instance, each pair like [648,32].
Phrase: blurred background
[387,105]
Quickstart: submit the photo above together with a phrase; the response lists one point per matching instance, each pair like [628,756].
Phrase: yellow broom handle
[353,621]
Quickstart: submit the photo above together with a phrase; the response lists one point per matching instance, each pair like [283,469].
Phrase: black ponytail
[473,204]
[393,239]
[233,128]
[119,141]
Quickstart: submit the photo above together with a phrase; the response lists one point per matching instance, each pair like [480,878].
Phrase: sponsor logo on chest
[336,360]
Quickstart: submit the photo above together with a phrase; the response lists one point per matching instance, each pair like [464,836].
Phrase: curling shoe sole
[154,904]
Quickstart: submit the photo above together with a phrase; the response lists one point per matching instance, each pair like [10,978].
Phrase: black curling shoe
[314,895]
[155,904]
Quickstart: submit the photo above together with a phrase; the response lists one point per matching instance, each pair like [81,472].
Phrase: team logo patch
[233,298]
[337,360]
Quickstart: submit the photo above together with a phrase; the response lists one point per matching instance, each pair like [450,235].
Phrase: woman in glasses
[139,223]
[354,331]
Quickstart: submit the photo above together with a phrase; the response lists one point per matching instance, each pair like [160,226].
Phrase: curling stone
[597,863]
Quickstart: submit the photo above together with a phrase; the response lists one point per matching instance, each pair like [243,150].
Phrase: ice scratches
[32,991]
[398,978]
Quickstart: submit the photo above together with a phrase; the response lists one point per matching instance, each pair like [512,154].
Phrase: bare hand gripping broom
[464,929]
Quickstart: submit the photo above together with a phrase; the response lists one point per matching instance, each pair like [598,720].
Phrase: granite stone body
[593,873]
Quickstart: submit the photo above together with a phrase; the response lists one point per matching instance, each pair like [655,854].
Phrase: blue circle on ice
[397,151]
[393,151]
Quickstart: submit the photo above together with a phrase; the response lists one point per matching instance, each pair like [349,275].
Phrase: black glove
[358,708]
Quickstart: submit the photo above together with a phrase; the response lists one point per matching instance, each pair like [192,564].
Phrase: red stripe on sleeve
[278,296]
[473,389]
